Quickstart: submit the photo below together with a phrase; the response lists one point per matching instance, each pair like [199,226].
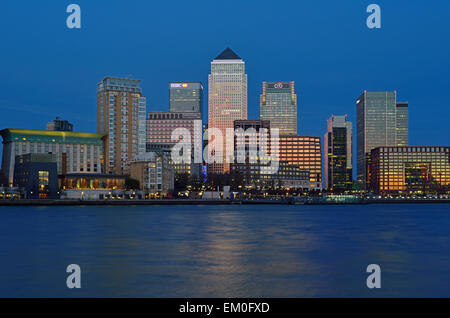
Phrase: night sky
[48,70]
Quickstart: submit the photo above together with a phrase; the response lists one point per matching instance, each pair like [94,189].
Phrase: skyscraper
[378,118]
[402,128]
[185,97]
[278,104]
[121,116]
[227,97]
[338,154]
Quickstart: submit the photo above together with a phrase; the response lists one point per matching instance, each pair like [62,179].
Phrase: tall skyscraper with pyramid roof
[227,99]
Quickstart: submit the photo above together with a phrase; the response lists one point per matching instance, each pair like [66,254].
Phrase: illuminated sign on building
[278,85]
[179,85]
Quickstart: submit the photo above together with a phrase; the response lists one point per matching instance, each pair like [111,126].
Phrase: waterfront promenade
[279,201]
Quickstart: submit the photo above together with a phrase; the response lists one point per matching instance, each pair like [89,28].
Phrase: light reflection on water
[225,251]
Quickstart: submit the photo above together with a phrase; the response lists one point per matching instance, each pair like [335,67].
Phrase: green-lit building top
[46,136]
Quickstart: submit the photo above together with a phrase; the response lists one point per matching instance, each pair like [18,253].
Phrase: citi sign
[279,85]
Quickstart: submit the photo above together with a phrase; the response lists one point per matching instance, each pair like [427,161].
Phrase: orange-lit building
[91,181]
[410,170]
[305,152]
[227,100]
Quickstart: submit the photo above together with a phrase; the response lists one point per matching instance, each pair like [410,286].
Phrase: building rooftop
[47,136]
[228,54]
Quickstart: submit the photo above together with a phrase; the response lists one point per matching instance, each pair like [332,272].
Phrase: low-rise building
[410,170]
[154,173]
[91,181]
[37,174]
[87,186]
[305,152]
[12,193]
[101,194]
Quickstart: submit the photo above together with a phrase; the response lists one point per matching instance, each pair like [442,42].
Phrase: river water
[226,251]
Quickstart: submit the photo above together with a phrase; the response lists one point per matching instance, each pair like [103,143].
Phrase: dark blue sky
[48,70]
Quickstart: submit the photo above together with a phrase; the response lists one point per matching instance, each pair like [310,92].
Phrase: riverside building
[338,166]
[75,152]
[37,174]
[154,173]
[121,116]
[306,153]
[380,122]
[410,170]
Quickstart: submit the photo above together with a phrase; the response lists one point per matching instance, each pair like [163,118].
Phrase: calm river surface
[225,251]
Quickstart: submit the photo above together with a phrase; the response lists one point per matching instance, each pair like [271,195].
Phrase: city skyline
[225,59]
[331,60]
[224,155]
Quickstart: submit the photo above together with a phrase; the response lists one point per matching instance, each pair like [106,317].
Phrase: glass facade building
[338,166]
[278,104]
[227,98]
[37,174]
[402,124]
[375,127]
[410,170]
[185,97]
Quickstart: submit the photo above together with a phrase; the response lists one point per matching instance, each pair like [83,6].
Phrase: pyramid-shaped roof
[228,54]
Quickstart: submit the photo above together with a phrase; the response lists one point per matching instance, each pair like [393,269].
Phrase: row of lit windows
[415,149]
